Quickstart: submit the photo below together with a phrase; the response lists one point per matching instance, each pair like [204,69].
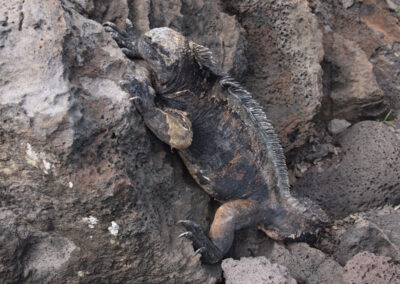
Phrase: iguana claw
[203,245]
[141,95]
[186,235]
[200,251]
[126,40]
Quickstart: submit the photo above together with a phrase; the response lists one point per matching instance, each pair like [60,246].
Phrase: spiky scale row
[258,118]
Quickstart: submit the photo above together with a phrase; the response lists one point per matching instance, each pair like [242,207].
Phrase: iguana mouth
[149,52]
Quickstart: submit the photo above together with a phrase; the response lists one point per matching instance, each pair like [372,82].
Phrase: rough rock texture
[361,60]
[376,231]
[366,268]
[367,174]
[255,270]
[75,157]
[306,264]
[284,51]
[353,90]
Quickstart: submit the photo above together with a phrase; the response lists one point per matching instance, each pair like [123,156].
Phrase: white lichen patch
[91,221]
[114,228]
[70,185]
[47,166]
[32,156]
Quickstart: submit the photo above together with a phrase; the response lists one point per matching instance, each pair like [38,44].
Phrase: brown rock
[356,39]
[354,89]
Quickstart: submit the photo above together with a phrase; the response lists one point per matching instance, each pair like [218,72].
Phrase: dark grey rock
[386,62]
[306,264]
[367,175]
[376,231]
[76,159]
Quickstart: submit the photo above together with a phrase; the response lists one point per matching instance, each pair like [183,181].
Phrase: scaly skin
[223,137]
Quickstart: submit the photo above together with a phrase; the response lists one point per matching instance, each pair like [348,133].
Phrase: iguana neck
[185,77]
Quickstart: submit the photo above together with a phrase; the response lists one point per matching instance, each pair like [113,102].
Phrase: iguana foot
[126,40]
[203,245]
[142,95]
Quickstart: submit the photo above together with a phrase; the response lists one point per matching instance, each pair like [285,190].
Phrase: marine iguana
[222,135]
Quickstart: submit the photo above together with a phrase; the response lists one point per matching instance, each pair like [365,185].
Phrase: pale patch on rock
[114,228]
[48,256]
[70,185]
[47,166]
[337,126]
[347,3]
[91,221]
[103,88]
[32,155]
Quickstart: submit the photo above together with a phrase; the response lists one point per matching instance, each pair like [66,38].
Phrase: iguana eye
[163,50]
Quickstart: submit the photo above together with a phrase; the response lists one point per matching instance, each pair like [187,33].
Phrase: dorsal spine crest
[268,134]
[204,57]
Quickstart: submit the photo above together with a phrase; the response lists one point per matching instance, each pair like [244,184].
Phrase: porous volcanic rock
[87,194]
[306,264]
[255,270]
[367,174]
[284,51]
[366,267]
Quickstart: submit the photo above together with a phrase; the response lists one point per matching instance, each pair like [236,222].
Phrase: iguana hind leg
[231,216]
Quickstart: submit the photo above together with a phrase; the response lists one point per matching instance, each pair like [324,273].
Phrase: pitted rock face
[367,267]
[368,175]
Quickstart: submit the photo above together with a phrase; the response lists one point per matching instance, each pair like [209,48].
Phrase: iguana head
[163,49]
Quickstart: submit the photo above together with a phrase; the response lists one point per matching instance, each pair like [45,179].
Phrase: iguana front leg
[171,126]
[126,40]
